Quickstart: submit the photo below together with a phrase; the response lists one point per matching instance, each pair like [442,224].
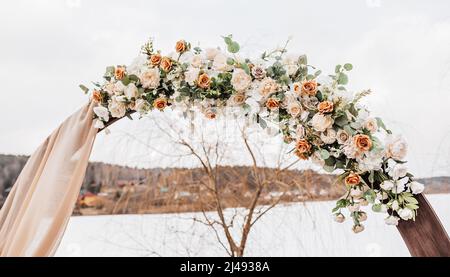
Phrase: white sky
[399,49]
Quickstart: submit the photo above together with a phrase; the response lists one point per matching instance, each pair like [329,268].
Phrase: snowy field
[287,230]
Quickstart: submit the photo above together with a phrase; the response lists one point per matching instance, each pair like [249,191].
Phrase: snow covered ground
[287,230]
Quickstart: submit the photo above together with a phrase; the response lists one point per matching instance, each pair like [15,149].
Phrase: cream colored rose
[191,75]
[396,147]
[240,80]
[114,88]
[237,99]
[321,122]
[329,136]
[131,91]
[267,87]
[150,78]
[371,125]
[342,136]
[197,61]
[294,109]
[117,108]
[220,62]
[300,132]
[211,53]
[102,113]
[141,106]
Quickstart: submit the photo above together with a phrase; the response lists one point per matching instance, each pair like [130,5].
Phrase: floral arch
[316,115]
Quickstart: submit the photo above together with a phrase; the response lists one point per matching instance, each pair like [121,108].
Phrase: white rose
[267,86]
[371,125]
[191,75]
[150,78]
[197,61]
[211,53]
[397,171]
[137,65]
[220,62]
[102,113]
[117,108]
[131,91]
[321,122]
[416,187]
[395,205]
[98,124]
[396,147]
[405,213]
[291,69]
[294,109]
[391,220]
[329,136]
[387,185]
[240,80]
[141,106]
[114,88]
[400,185]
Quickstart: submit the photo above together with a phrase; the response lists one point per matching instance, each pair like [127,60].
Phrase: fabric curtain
[38,208]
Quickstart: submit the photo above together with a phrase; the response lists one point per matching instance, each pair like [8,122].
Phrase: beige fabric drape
[36,212]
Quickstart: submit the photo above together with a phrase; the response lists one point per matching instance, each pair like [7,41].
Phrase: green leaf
[230,61]
[228,39]
[84,88]
[343,79]
[412,206]
[337,69]
[328,168]
[370,195]
[348,66]
[233,47]
[126,81]
[133,78]
[324,154]
[303,60]
[245,67]
[376,208]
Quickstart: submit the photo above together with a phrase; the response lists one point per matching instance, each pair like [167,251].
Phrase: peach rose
[297,88]
[119,73]
[352,179]
[166,64]
[237,99]
[303,146]
[203,81]
[325,107]
[181,46]
[97,96]
[160,103]
[362,142]
[155,59]
[209,113]
[272,104]
[309,87]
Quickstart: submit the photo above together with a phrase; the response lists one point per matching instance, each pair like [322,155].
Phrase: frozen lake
[300,229]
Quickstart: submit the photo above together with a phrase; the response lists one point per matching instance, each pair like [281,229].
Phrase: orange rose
[325,107]
[272,104]
[352,179]
[97,96]
[155,59]
[181,46]
[309,87]
[203,81]
[302,146]
[119,73]
[301,156]
[166,64]
[160,103]
[362,142]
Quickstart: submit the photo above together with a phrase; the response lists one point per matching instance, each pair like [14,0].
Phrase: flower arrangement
[322,120]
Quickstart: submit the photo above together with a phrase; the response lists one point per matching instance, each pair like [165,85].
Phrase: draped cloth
[38,208]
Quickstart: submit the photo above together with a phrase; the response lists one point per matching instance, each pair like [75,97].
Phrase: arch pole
[426,236]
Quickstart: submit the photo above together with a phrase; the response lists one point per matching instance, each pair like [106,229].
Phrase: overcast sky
[400,49]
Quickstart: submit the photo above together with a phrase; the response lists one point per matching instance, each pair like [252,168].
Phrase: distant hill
[101,177]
